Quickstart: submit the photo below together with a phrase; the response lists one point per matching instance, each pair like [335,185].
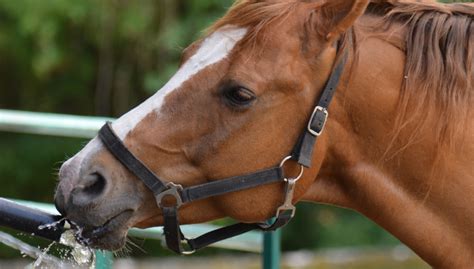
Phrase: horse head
[237,104]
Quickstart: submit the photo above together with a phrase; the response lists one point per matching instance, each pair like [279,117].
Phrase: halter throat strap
[302,153]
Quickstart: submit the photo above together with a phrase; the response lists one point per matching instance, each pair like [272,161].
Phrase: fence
[87,127]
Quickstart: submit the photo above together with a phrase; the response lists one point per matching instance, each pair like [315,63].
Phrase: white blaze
[214,48]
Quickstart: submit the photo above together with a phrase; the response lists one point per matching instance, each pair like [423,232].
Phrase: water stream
[42,258]
[79,256]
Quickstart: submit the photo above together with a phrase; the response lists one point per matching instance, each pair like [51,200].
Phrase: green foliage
[318,226]
[28,165]
[58,54]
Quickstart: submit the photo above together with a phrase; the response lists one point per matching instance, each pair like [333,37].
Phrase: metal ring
[187,252]
[301,169]
[173,191]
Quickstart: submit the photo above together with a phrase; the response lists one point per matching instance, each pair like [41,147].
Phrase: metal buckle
[288,203]
[289,191]
[326,115]
[173,190]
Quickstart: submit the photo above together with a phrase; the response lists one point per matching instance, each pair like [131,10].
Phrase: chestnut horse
[398,146]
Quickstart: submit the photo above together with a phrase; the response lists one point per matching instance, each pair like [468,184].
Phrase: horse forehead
[212,50]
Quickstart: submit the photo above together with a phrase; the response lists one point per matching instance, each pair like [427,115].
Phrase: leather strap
[233,184]
[303,151]
[115,146]
[171,229]
[174,236]
[235,230]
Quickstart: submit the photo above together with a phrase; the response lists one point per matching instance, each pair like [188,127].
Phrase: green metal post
[103,259]
[271,250]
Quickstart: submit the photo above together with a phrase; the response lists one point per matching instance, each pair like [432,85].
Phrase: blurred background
[104,57]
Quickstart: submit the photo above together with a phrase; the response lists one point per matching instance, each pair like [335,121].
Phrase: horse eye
[239,96]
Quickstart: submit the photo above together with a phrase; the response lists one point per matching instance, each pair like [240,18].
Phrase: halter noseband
[302,153]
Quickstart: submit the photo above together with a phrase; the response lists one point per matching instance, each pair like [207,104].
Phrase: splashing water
[39,260]
[79,256]
[82,255]
[44,259]
[52,226]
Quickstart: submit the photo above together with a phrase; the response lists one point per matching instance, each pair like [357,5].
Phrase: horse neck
[392,181]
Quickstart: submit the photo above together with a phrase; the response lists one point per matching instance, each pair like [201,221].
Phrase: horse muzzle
[86,196]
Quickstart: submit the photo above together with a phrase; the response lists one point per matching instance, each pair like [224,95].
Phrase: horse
[397,145]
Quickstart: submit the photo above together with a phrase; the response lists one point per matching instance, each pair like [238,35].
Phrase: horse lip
[90,234]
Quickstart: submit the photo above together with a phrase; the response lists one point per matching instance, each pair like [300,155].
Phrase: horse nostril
[90,188]
[95,184]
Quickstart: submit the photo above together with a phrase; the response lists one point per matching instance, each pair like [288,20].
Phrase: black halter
[302,153]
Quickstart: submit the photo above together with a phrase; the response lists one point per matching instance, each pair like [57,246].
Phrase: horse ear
[336,16]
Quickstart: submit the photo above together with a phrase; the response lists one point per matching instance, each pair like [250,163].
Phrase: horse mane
[255,15]
[439,66]
[439,49]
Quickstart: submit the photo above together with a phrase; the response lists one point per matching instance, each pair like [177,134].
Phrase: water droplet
[51,226]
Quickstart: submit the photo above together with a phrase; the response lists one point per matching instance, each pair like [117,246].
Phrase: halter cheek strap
[302,153]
